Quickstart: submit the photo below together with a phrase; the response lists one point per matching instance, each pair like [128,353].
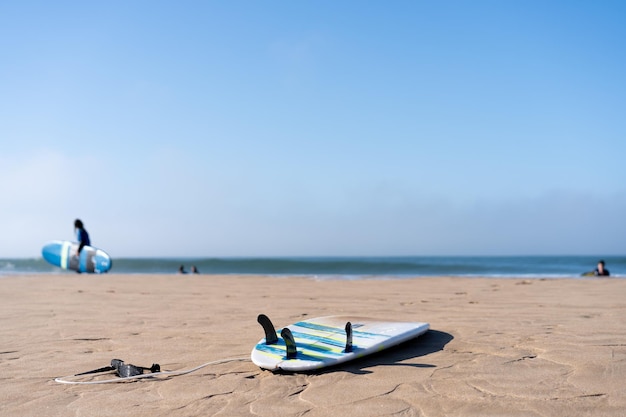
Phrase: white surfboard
[327,341]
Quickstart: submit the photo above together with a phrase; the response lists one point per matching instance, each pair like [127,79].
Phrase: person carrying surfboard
[83,236]
[600,271]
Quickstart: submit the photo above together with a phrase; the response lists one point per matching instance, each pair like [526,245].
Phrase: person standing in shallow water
[601,271]
[82,235]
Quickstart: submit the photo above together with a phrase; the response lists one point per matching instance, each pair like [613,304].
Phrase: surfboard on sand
[326,341]
[62,253]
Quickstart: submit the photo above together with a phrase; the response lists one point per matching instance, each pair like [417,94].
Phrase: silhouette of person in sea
[194,270]
[600,270]
[181,269]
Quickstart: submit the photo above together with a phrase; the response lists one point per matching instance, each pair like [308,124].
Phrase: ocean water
[350,267]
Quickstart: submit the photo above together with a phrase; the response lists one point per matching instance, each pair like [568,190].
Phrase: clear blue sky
[251,128]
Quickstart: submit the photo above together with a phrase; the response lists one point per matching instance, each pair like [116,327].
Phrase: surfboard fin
[348,337]
[268,327]
[290,343]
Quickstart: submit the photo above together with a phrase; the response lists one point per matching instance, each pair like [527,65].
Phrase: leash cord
[167,374]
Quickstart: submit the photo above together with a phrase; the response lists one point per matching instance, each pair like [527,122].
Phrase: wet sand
[497,347]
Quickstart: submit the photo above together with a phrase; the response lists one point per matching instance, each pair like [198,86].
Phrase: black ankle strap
[124,370]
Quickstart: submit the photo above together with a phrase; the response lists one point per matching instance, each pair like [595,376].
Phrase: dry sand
[497,347]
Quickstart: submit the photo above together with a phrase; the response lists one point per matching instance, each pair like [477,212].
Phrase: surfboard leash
[129,372]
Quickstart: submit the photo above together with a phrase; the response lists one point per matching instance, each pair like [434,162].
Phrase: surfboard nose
[51,252]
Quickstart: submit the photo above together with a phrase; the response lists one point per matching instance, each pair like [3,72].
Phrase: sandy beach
[497,347]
